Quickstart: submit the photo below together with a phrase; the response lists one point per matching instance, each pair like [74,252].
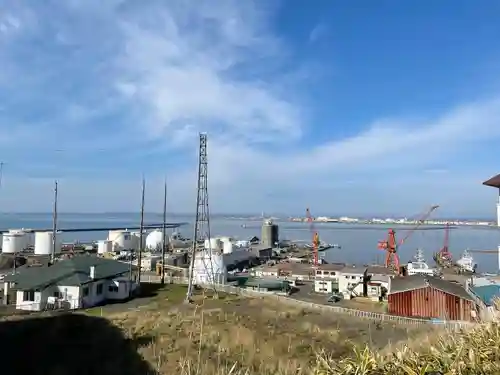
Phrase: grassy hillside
[231,335]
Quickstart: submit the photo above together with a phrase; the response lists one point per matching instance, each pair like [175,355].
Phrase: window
[85,291]
[113,288]
[318,272]
[58,295]
[29,295]
[99,289]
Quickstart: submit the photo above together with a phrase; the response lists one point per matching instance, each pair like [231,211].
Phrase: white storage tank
[29,235]
[227,247]
[13,242]
[209,268]
[114,234]
[154,240]
[125,241]
[43,243]
[213,243]
[137,236]
[104,246]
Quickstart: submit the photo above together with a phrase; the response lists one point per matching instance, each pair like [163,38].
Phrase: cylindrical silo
[227,245]
[114,234]
[213,243]
[209,268]
[137,236]
[43,243]
[13,243]
[104,246]
[125,241]
[270,234]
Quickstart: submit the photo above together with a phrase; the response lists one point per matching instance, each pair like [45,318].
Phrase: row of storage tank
[122,240]
[18,240]
[226,245]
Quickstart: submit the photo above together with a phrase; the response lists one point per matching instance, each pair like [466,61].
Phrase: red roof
[493,182]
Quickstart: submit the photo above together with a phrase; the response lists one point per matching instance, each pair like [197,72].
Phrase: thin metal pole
[164,239]
[1,173]
[54,225]
[141,234]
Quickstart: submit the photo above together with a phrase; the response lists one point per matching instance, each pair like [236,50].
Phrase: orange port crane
[444,256]
[390,245]
[315,237]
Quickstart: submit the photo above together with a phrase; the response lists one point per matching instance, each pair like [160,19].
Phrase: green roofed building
[79,282]
[263,285]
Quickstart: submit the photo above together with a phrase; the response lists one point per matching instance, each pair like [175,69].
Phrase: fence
[401,320]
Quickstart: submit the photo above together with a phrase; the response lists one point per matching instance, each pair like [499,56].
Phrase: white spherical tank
[213,243]
[125,241]
[43,243]
[13,242]
[104,246]
[155,240]
[209,268]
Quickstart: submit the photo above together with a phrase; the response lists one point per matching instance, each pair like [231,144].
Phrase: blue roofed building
[486,295]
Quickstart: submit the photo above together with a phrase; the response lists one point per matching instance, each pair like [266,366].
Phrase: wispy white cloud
[141,80]
[318,31]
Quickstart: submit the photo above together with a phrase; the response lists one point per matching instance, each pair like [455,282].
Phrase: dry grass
[235,336]
[251,336]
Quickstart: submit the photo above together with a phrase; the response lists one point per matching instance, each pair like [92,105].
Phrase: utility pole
[1,173]
[141,234]
[54,226]
[164,233]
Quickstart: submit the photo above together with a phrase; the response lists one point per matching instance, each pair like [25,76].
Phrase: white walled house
[327,278]
[79,282]
[352,281]
[337,277]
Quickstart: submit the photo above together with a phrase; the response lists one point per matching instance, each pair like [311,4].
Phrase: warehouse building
[431,298]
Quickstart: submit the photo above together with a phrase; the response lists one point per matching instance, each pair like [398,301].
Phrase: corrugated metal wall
[429,303]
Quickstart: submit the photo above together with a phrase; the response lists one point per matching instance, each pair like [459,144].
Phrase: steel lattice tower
[202,221]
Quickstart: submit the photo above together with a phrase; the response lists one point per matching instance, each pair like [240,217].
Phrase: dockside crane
[315,237]
[443,257]
[390,245]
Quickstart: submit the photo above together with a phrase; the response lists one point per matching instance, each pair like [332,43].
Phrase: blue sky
[345,107]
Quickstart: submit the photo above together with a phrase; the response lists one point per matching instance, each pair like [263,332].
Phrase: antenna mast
[164,233]
[1,173]
[202,222]
[54,225]
[141,234]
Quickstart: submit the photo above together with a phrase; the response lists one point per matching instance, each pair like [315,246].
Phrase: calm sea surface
[359,243]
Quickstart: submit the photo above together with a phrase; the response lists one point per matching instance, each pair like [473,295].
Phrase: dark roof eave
[493,182]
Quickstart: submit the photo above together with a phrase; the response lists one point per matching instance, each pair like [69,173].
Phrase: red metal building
[429,297]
